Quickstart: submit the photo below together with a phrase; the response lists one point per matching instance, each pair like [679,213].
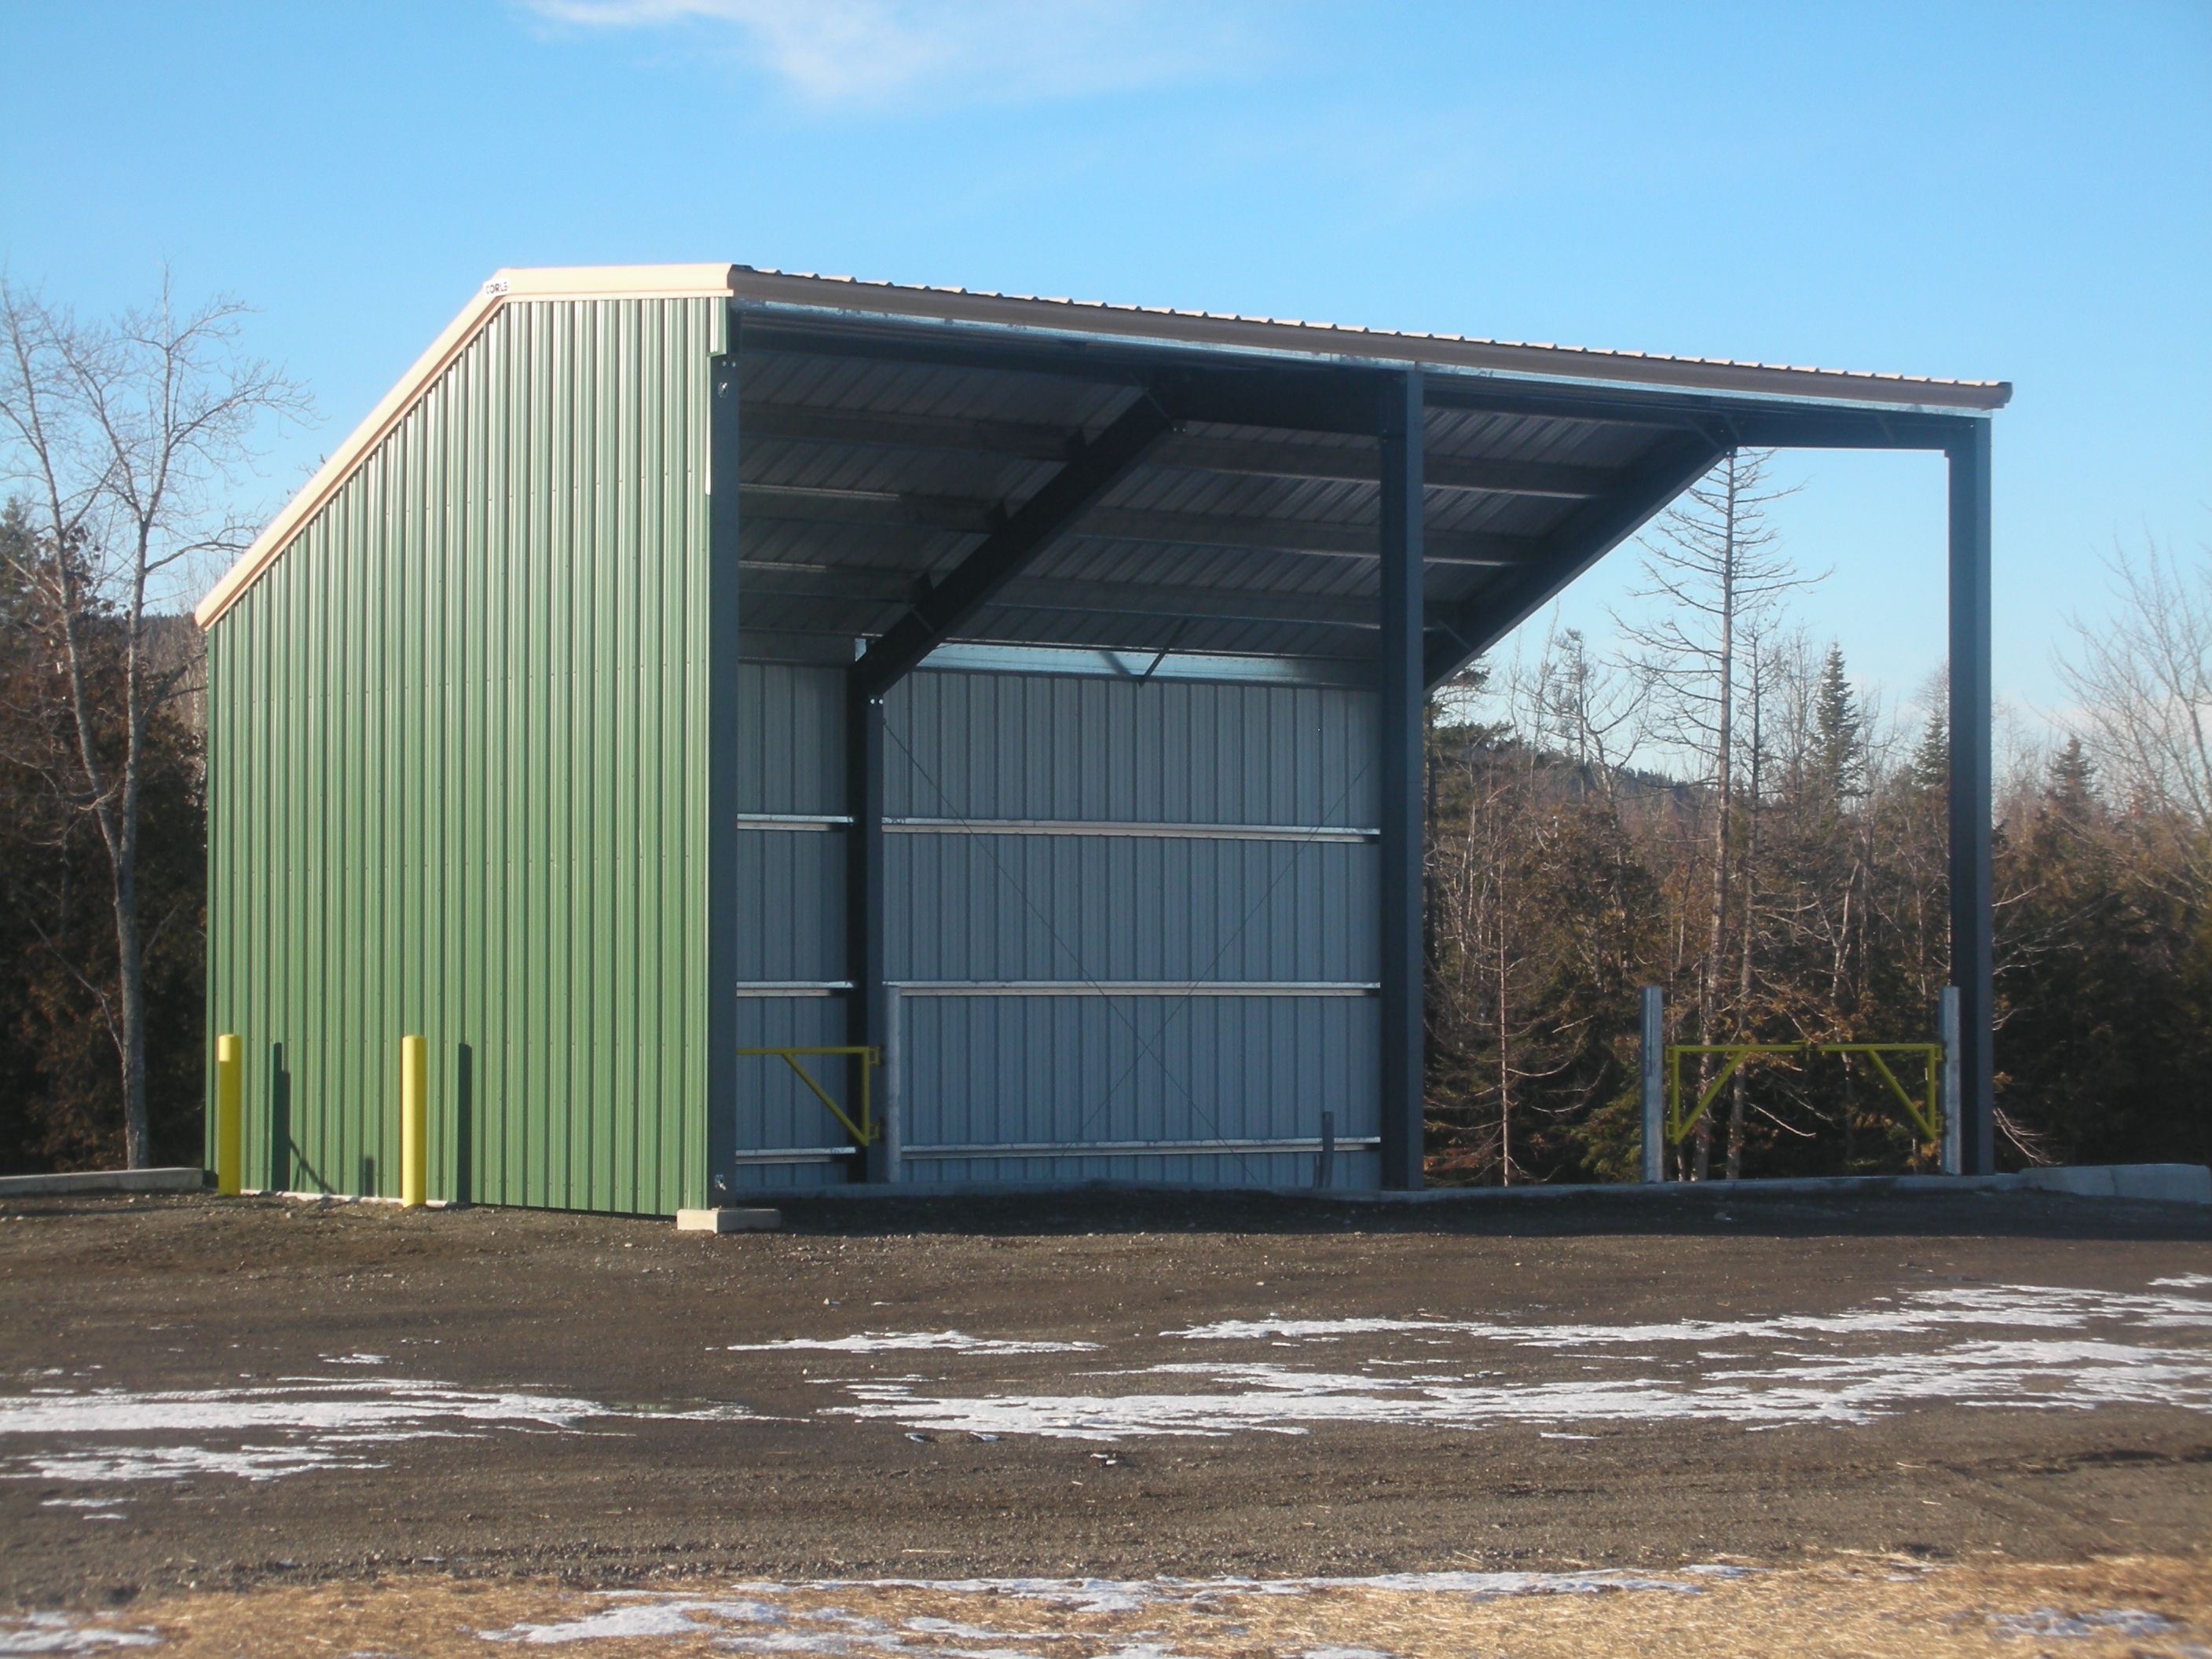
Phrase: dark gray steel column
[1400,694]
[864,886]
[721,670]
[1971,947]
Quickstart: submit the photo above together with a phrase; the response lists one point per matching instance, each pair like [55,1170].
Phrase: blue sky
[2013,190]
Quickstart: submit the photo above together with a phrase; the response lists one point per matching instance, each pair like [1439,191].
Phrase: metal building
[685,660]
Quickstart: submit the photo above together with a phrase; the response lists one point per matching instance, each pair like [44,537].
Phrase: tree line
[1784,879]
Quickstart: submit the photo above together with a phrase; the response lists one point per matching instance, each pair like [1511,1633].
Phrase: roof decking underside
[864,475]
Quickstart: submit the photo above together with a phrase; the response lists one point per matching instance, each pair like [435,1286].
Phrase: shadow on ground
[1674,1213]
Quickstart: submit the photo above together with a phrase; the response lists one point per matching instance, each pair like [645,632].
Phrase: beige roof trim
[1154,323]
[569,282]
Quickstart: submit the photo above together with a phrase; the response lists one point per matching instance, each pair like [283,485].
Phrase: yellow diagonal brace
[1738,1053]
[1925,1115]
[863,1132]
[805,1077]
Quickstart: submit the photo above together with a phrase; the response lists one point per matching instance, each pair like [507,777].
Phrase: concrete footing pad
[728,1221]
[186,1178]
[2169,1183]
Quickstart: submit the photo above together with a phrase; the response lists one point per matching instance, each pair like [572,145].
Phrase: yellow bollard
[230,1161]
[414,1122]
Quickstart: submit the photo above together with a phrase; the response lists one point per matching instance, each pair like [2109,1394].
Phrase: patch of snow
[910,1341]
[2113,1621]
[638,1618]
[1800,1388]
[288,1427]
[2044,1306]
[176,1463]
[1133,1595]
[61,1632]
[833,1629]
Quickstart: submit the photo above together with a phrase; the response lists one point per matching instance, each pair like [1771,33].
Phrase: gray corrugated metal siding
[981,904]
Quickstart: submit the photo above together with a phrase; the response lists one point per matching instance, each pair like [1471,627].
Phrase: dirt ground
[223,1419]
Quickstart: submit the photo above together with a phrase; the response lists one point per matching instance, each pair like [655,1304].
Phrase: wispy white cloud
[887,53]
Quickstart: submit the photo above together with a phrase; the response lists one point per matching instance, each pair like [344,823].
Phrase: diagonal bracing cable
[1144,1048]
[1206,974]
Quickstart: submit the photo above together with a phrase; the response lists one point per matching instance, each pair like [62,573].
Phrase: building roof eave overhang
[1771,403]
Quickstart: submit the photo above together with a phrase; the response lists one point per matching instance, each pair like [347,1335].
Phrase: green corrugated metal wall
[456,784]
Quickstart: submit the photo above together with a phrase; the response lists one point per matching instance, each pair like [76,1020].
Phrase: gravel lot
[201,1395]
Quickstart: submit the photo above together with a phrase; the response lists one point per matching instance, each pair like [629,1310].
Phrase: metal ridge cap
[915,301]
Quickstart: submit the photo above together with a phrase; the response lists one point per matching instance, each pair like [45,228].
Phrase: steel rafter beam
[1841,429]
[1022,535]
[1462,630]
[1744,422]
[1341,400]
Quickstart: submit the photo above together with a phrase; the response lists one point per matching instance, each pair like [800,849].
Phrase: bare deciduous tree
[1713,563]
[126,440]
[2141,680]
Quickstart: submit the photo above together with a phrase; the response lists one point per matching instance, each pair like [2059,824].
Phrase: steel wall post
[1400,700]
[887,1157]
[1947,1033]
[1651,1053]
[864,882]
[1972,953]
[723,712]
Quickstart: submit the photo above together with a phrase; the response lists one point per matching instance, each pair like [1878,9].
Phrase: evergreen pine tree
[2072,790]
[1930,766]
[1839,735]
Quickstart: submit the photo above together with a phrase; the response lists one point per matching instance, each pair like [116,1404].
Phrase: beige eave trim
[566,283]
